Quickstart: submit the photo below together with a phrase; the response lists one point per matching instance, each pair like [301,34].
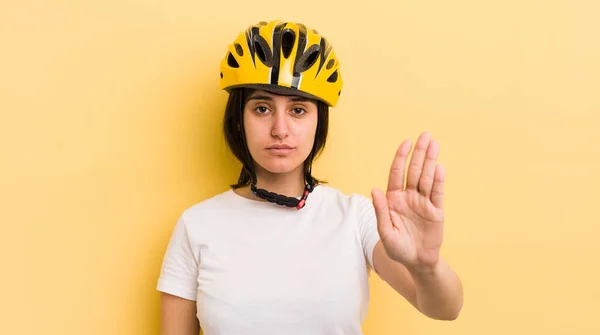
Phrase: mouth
[280,149]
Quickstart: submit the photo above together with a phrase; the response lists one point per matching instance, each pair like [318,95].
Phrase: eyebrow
[270,98]
[260,97]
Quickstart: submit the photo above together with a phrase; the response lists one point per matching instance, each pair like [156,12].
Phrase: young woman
[281,252]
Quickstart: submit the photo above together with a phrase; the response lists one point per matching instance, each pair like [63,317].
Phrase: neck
[289,184]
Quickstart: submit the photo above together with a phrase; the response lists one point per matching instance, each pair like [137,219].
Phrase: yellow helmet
[283,57]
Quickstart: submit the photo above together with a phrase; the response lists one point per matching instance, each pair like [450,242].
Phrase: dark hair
[233,129]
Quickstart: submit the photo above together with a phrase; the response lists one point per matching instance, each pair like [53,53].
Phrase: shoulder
[210,207]
[346,200]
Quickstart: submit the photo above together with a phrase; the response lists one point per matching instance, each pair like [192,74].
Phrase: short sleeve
[179,272]
[367,228]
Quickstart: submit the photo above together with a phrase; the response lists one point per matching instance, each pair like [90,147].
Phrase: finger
[437,192]
[416,161]
[382,212]
[426,180]
[396,179]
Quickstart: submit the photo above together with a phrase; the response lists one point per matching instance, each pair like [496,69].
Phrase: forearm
[439,291]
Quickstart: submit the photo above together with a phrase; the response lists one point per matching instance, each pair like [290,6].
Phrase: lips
[280,149]
[280,146]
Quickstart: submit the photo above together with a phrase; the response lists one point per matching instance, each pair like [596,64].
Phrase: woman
[281,252]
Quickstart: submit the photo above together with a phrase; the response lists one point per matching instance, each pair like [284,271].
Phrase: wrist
[425,271]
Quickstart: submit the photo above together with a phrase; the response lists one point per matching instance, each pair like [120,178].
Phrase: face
[280,131]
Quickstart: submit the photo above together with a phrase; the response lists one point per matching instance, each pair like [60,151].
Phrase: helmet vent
[334,77]
[308,59]
[263,51]
[288,37]
[239,50]
[231,61]
[330,63]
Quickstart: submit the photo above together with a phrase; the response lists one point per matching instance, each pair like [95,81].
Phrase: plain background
[110,126]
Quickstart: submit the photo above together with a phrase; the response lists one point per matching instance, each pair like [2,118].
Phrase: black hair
[233,129]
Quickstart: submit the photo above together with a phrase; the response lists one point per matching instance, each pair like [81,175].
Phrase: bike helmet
[283,57]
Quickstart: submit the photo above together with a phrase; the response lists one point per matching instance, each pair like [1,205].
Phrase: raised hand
[410,218]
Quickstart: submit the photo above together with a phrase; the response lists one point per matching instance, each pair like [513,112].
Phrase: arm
[410,223]
[177,316]
[436,292]
[178,284]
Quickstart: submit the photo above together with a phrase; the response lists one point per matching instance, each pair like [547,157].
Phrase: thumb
[382,212]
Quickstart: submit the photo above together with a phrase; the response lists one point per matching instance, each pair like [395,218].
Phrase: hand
[410,219]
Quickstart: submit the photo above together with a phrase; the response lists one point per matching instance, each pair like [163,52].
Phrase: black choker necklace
[282,199]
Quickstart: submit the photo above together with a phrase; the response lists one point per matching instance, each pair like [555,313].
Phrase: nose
[279,127]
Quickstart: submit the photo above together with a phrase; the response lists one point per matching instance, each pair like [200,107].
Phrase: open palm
[410,217]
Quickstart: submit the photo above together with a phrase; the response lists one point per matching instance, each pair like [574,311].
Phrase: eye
[299,111]
[261,109]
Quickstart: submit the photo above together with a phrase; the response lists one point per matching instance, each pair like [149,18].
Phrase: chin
[280,166]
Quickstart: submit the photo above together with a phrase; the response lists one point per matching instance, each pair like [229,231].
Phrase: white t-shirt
[255,267]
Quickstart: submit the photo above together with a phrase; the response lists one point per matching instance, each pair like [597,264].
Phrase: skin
[177,316]
[271,120]
[410,214]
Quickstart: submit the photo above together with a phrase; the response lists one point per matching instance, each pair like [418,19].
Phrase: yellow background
[110,126]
